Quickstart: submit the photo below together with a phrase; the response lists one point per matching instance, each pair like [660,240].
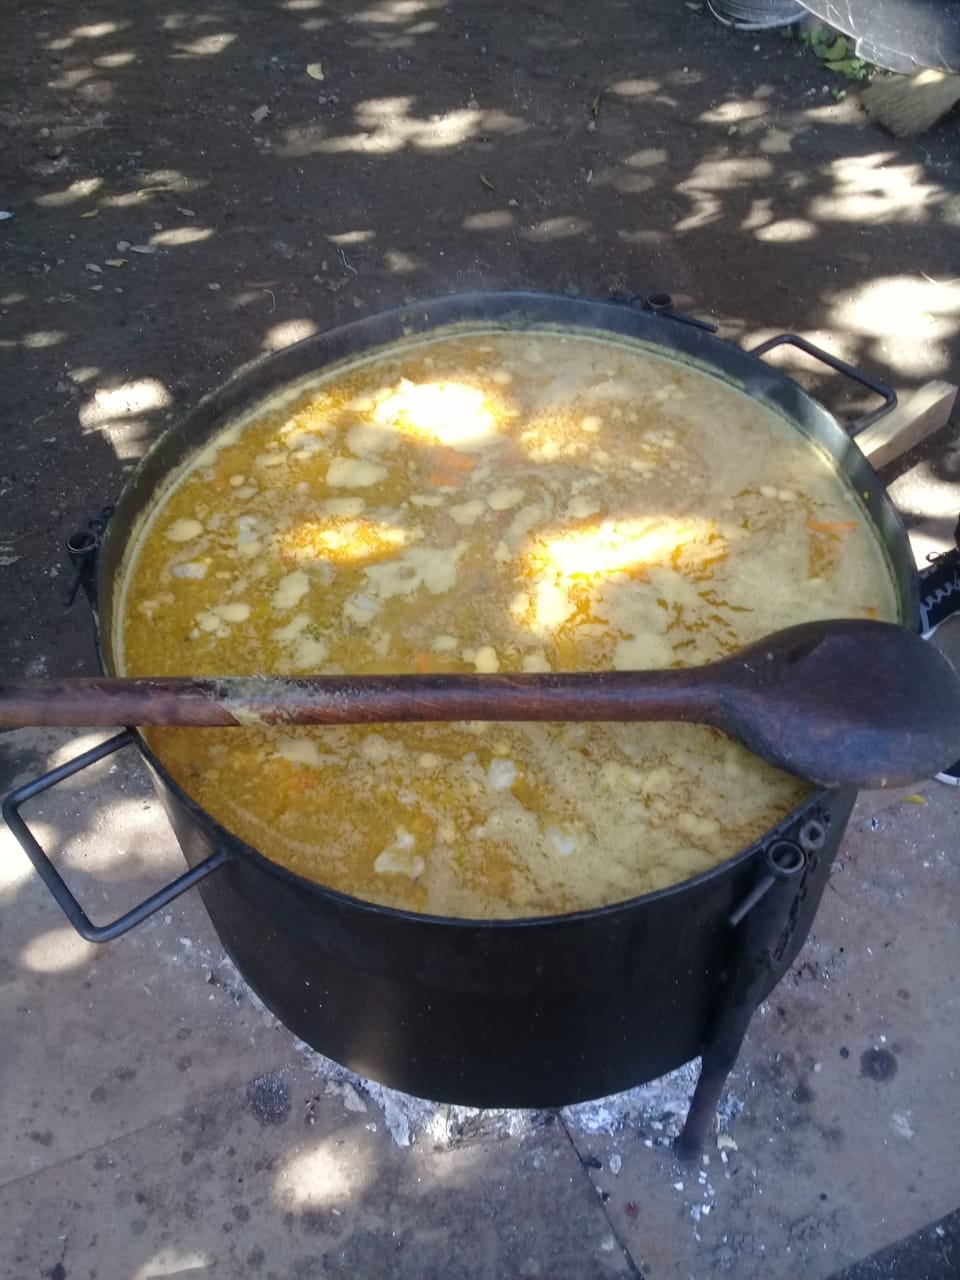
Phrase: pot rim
[625,322]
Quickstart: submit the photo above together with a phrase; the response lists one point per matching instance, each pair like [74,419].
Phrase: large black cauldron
[534,1012]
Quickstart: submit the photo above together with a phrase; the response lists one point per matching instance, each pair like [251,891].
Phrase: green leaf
[836,50]
[852,68]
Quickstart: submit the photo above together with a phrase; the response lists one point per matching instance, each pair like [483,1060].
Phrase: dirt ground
[186,196]
[448,146]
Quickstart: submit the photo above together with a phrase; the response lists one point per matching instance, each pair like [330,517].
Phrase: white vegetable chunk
[354,473]
[291,589]
[184,530]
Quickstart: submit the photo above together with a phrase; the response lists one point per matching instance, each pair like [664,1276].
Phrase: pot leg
[718,1061]
[757,964]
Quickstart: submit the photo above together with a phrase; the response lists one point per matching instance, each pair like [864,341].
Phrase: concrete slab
[103,1041]
[271,1181]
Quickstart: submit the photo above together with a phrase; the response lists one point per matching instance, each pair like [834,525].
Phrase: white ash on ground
[656,1109]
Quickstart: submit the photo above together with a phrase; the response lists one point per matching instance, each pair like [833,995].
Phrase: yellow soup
[492,501]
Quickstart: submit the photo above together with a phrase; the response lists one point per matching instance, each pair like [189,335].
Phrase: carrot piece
[424,663]
[450,460]
[835,527]
[443,480]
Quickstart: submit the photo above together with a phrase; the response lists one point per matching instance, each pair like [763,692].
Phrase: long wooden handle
[688,694]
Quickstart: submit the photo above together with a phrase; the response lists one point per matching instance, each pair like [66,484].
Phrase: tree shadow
[446,147]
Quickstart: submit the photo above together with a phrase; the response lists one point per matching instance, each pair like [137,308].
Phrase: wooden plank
[910,423]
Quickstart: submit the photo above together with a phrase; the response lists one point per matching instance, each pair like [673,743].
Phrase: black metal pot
[534,1012]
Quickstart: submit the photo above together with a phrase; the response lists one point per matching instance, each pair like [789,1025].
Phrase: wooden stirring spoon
[843,703]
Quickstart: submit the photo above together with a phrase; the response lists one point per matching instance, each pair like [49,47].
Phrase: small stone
[616,1164]
[352,1100]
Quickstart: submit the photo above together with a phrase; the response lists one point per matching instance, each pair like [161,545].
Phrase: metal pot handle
[888,394]
[51,876]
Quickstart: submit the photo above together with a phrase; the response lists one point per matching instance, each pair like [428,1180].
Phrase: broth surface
[492,501]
